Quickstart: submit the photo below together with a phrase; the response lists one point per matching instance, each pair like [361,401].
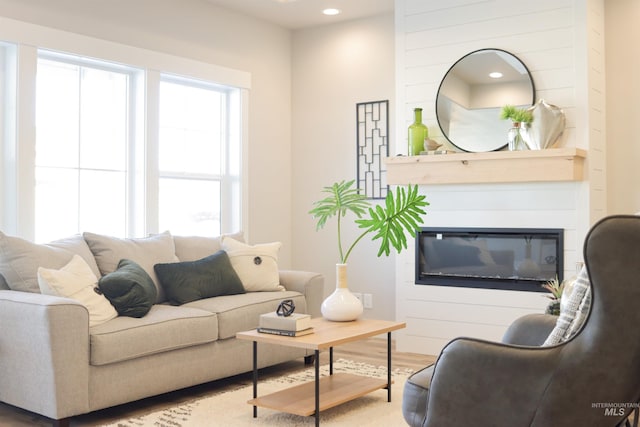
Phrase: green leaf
[390,222]
[341,200]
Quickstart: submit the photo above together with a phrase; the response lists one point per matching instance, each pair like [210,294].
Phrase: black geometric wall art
[372,129]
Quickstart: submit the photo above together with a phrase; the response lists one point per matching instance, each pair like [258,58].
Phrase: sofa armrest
[311,285]
[532,330]
[44,354]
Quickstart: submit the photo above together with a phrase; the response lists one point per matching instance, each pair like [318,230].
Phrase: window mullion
[152,142]
[136,156]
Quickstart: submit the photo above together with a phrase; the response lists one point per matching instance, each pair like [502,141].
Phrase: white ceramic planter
[341,305]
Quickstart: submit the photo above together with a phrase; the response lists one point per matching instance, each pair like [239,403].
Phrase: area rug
[230,408]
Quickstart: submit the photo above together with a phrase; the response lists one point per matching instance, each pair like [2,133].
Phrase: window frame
[17,183]
[132,139]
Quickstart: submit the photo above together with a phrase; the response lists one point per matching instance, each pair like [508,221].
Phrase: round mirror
[472,94]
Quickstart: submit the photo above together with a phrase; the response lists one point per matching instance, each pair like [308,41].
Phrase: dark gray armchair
[593,379]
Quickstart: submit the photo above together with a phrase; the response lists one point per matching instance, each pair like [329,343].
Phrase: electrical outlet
[368,301]
[357,295]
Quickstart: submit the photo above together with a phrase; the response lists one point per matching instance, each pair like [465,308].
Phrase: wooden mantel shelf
[554,164]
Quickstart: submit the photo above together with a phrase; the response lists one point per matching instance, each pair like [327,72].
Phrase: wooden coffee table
[329,391]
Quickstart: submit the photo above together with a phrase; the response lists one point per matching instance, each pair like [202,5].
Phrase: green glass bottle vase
[418,132]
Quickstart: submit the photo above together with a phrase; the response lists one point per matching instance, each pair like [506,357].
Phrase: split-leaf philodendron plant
[401,215]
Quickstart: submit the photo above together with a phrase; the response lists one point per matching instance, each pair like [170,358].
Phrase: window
[192,156]
[82,119]
[120,150]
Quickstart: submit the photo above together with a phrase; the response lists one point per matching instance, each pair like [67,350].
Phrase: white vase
[341,305]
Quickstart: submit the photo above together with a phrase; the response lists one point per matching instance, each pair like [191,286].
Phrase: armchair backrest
[593,379]
[598,373]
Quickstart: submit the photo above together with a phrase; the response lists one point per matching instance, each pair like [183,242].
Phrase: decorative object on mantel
[418,133]
[431,144]
[548,125]
[372,134]
[521,119]
[399,216]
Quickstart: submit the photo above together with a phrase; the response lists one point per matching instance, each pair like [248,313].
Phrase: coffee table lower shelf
[334,390]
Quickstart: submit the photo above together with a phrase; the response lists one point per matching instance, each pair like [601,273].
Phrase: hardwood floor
[372,351]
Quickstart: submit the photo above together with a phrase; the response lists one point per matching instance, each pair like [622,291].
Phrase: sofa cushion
[146,252]
[164,328]
[76,281]
[257,265]
[193,248]
[129,288]
[238,313]
[188,281]
[20,259]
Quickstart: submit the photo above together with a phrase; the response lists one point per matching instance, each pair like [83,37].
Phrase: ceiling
[297,14]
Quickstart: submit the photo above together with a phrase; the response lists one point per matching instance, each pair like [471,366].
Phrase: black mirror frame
[533,90]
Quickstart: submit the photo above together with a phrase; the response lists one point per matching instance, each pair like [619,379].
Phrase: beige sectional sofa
[54,363]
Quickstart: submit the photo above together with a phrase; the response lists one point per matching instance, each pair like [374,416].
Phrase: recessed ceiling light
[331,11]
[495,75]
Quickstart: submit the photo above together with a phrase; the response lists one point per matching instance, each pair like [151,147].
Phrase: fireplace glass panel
[514,259]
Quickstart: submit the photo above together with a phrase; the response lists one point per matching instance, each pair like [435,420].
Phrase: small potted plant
[521,118]
[400,215]
[555,289]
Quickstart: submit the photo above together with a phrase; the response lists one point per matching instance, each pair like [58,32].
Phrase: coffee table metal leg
[255,377]
[330,360]
[388,366]
[317,388]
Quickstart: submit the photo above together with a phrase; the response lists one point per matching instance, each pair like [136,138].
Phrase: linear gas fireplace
[495,258]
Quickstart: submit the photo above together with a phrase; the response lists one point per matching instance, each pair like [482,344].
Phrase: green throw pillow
[129,289]
[188,281]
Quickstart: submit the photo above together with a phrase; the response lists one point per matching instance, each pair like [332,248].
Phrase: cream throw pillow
[256,265]
[76,281]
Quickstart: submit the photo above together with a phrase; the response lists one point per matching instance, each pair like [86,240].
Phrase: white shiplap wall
[561,42]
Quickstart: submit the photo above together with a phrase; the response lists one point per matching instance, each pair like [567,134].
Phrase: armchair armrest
[532,330]
[464,387]
[311,285]
[44,353]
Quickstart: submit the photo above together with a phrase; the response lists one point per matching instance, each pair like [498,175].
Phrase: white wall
[335,67]
[561,42]
[201,31]
[623,108]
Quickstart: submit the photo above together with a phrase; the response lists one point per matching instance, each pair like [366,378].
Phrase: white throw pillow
[256,265]
[76,281]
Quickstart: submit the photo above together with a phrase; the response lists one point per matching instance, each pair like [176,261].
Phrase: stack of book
[294,325]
